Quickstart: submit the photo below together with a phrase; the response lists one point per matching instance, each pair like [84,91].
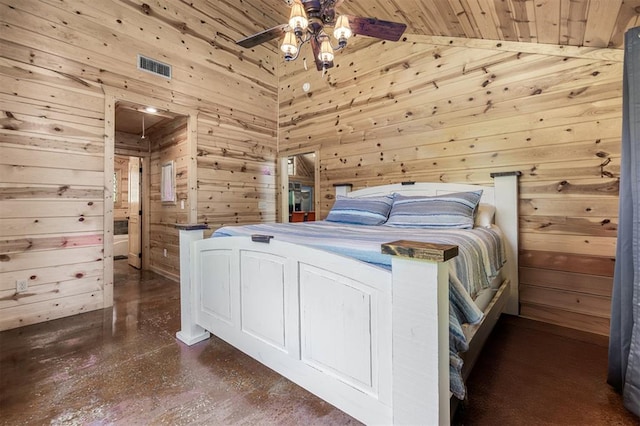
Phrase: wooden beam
[613,55]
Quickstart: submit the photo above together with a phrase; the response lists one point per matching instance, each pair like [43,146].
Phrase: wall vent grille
[154,67]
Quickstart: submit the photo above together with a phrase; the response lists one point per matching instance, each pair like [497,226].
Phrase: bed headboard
[426,188]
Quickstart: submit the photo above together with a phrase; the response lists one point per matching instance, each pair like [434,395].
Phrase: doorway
[128,130]
[127,208]
[300,185]
[151,138]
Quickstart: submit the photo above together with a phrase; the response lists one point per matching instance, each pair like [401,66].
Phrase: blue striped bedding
[481,255]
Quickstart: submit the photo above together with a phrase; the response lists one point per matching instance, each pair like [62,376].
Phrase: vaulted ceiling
[590,23]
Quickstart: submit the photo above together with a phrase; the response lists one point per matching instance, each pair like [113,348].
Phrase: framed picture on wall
[167,183]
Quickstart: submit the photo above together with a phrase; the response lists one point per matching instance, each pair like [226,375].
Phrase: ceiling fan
[306,24]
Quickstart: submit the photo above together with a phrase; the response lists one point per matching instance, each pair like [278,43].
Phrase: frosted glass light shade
[298,17]
[342,29]
[326,51]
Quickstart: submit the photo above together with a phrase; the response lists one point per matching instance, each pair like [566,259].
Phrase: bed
[373,341]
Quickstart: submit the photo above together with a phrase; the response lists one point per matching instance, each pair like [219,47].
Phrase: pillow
[485,215]
[361,211]
[455,210]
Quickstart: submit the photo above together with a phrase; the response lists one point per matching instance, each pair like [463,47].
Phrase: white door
[135,214]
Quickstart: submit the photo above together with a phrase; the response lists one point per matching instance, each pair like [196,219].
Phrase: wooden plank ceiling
[131,118]
[589,23]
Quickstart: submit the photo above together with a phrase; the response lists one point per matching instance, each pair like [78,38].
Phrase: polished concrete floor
[531,373]
[124,366]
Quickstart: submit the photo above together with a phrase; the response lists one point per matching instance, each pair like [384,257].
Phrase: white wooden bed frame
[374,343]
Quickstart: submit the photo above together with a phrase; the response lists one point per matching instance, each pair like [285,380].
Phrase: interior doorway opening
[127,208]
[142,137]
[299,175]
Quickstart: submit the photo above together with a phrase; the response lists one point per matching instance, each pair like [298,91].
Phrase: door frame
[284,180]
[112,96]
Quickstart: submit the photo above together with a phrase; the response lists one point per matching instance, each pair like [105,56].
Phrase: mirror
[301,193]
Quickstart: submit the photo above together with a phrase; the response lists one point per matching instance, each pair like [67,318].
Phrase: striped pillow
[455,210]
[361,211]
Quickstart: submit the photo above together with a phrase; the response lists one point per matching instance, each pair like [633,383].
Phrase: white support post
[420,321]
[190,333]
[506,198]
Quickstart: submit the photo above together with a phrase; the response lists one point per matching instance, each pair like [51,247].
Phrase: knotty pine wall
[236,174]
[426,108]
[56,61]
[51,196]
[168,143]
[455,110]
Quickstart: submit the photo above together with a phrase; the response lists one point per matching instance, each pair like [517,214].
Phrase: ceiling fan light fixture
[298,19]
[308,21]
[342,30]
[326,51]
[289,46]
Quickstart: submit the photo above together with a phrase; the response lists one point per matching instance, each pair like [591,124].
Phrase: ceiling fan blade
[263,36]
[373,27]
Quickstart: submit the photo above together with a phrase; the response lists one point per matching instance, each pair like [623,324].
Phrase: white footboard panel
[319,319]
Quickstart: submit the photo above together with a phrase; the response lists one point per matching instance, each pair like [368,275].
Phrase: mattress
[481,252]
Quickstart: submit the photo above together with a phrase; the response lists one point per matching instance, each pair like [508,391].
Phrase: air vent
[154,67]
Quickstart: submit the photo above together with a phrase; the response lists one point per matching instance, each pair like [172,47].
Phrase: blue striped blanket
[480,257]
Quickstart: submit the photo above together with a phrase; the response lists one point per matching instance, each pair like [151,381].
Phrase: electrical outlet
[21,286]
[164,252]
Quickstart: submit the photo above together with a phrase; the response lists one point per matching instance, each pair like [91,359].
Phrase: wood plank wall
[236,174]
[455,110]
[426,108]
[168,143]
[51,195]
[55,58]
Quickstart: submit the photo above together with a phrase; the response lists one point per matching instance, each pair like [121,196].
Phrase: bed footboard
[325,321]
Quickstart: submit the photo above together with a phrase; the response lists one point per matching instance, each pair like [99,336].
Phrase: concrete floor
[531,373]
[124,366]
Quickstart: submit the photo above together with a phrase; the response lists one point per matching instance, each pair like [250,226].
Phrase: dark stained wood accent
[377,28]
[420,250]
[191,226]
[262,36]
[499,174]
